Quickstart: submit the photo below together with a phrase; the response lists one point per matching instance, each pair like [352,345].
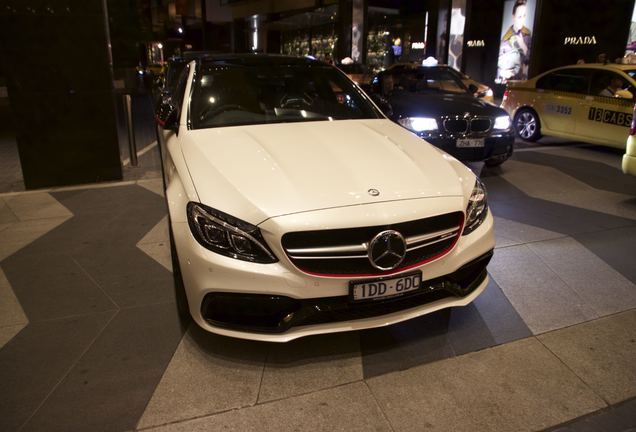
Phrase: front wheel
[527,125]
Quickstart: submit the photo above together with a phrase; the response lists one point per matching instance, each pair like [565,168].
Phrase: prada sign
[579,40]
[476,43]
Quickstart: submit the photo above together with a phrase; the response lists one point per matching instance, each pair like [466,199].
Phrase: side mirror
[472,88]
[383,104]
[624,94]
[166,115]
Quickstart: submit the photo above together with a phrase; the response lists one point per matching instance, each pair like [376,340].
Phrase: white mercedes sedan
[297,208]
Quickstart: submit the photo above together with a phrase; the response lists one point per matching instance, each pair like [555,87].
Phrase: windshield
[241,94]
[423,80]
[631,73]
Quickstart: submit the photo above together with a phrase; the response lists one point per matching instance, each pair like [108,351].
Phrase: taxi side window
[606,83]
[567,80]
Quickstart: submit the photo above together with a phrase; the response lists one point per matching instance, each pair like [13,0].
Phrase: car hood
[261,171]
[407,104]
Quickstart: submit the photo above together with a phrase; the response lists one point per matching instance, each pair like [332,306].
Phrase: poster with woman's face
[516,40]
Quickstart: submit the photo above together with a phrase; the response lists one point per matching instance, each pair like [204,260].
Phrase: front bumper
[259,313]
[219,288]
[494,145]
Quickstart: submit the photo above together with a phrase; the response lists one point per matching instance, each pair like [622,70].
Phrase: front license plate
[382,288]
[470,142]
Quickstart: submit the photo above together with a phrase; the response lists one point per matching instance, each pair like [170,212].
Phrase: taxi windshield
[631,73]
[232,94]
[427,80]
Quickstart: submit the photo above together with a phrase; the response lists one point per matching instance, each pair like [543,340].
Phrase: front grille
[456,125]
[479,125]
[344,252]
[467,125]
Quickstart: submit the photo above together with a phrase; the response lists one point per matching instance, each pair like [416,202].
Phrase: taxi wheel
[527,125]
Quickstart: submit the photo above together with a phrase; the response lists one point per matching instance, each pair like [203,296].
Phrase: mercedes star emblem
[374,192]
[387,250]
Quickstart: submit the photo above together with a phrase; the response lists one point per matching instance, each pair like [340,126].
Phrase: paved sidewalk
[90,338]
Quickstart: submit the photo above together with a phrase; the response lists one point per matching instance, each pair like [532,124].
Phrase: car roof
[258,59]
[608,66]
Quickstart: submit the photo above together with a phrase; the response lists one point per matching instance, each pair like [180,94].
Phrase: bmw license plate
[470,142]
[383,288]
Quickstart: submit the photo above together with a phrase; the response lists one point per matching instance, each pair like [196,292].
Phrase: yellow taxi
[587,102]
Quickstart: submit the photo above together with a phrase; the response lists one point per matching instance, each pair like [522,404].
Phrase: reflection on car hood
[407,104]
[261,171]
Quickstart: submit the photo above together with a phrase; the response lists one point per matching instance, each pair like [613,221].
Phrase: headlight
[227,235]
[477,208]
[502,123]
[419,124]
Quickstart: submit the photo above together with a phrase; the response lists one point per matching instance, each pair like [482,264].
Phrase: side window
[606,83]
[566,80]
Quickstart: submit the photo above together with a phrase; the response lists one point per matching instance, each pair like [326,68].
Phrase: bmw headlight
[477,208]
[502,123]
[419,124]
[227,235]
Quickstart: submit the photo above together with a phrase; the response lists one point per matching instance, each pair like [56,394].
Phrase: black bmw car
[437,106]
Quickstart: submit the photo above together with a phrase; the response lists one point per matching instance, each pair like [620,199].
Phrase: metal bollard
[132,145]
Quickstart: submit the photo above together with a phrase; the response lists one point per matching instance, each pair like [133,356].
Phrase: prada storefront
[517,39]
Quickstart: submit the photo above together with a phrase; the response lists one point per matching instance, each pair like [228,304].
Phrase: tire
[179,289]
[527,125]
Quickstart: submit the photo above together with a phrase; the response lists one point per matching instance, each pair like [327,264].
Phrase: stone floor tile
[594,174]
[349,408]
[52,285]
[159,252]
[601,352]
[158,233]
[490,320]
[616,204]
[109,387]
[207,374]
[309,364]
[6,215]
[9,332]
[35,361]
[543,300]
[534,180]
[20,234]
[407,344]
[154,185]
[11,312]
[604,289]
[596,155]
[616,418]
[36,206]
[615,247]
[511,233]
[520,386]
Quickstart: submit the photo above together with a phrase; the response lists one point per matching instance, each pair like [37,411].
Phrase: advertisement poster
[456,39]
[630,49]
[516,40]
